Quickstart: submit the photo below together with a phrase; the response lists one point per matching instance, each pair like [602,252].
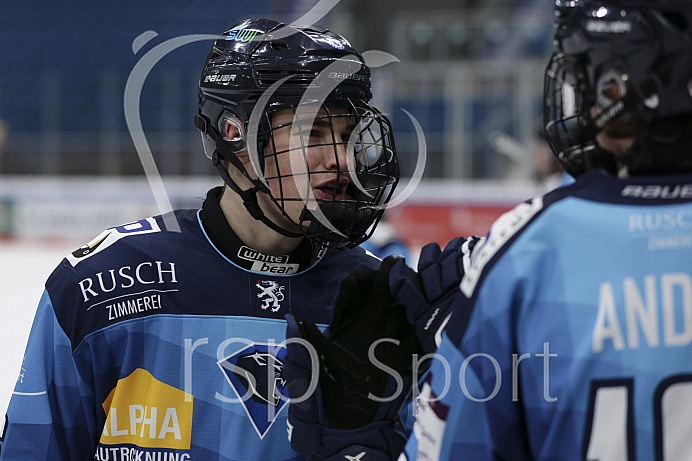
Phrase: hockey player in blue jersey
[159,343]
[571,338]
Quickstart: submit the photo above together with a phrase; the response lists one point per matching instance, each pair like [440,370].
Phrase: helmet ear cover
[237,143]
[227,150]
[234,145]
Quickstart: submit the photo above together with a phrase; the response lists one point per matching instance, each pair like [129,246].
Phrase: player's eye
[312,133]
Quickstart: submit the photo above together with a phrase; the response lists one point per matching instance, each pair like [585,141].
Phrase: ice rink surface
[24,268]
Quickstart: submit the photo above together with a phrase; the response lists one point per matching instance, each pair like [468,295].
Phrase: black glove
[429,294]
[353,363]
[365,375]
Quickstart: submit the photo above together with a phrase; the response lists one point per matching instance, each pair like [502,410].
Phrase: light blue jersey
[574,338]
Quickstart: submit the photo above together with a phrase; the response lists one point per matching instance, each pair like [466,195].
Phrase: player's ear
[234,133]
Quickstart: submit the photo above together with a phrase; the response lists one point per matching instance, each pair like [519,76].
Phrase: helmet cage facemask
[273,71]
[356,190]
[371,171]
[565,117]
[574,113]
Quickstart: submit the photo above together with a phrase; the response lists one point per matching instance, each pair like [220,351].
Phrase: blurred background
[470,72]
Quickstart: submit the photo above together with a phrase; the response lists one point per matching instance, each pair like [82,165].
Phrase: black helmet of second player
[627,62]
[260,67]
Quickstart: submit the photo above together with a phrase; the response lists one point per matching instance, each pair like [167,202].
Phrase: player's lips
[331,189]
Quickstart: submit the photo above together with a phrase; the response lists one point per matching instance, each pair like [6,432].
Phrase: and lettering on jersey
[112,235]
[274,269]
[137,277]
[641,312]
[664,230]
[133,306]
[249,254]
[145,412]
[670,242]
[104,453]
[255,374]
[661,221]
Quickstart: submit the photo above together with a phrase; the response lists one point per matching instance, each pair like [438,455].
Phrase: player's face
[617,136]
[307,161]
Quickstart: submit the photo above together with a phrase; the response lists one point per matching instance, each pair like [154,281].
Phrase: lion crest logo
[271,294]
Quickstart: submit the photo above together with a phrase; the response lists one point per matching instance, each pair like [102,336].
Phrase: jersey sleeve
[435,432]
[47,417]
[469,407]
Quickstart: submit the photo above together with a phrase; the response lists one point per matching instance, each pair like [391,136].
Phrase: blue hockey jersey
[573,340]
[150,344]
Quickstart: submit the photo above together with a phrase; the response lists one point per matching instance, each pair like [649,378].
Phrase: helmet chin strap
[226,150]
[249,196]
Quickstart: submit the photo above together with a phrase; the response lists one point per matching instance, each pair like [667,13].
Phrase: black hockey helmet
[260,67]
[621,61]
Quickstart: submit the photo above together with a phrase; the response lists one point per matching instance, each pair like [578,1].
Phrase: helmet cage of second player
[564,113]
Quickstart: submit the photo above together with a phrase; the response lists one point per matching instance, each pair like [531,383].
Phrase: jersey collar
[229,244]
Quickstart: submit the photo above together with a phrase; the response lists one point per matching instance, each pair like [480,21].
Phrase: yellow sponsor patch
[143,411]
